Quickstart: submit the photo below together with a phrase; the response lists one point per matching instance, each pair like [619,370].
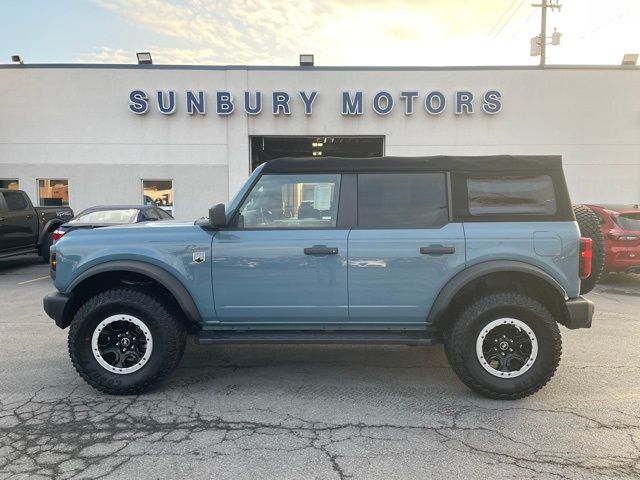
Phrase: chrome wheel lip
[516,323]
[95,349]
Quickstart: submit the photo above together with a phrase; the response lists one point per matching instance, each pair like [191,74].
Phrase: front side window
[10,183]
[158,193]
[292,201]
[511,195]
[15,201]
[402,200]
[53,192]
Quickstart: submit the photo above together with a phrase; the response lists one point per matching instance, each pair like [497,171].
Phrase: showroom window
[53,192]
[10,183]
[158,193]
[292,201]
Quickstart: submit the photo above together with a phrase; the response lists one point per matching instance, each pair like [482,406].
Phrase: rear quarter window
[511,195]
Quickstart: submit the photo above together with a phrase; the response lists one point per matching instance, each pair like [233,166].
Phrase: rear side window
[511,195]
[402,200]
[15,201]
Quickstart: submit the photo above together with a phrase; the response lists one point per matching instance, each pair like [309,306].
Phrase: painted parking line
[33,280]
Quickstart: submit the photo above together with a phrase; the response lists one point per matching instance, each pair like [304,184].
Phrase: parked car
[108,215]
[620,226]
[481,253]
[25,228]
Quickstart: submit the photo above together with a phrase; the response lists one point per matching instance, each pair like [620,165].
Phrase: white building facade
[188,137]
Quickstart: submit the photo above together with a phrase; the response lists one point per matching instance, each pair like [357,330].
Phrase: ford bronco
[482,254]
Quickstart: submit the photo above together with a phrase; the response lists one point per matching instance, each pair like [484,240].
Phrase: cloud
[360,32]
[160,55]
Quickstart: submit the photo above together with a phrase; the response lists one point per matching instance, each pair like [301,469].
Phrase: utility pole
[543,27]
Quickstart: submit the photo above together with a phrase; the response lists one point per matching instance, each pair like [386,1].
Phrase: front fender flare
[160,275]
[474,272]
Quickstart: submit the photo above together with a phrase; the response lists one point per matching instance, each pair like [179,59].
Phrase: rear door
[19,224]
[284,260]
[404,248]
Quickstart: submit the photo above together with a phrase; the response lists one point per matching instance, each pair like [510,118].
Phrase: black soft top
[489,163]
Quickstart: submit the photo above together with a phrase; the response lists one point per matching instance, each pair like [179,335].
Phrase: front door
[404,249]
[283,260]
[19,225]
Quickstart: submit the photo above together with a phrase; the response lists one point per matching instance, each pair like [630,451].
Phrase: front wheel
[504,345]
[125,341]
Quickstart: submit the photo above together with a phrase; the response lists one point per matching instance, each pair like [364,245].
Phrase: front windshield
[118,216]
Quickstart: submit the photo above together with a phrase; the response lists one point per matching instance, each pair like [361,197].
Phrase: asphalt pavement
[316,412]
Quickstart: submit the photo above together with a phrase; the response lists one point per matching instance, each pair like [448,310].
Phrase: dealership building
[187,137]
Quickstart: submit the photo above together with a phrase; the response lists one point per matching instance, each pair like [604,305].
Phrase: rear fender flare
[49,226]
[453,286]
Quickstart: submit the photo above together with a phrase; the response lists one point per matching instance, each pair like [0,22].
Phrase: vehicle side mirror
[218,216]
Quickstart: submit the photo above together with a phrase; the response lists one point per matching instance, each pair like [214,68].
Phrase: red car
[621,230]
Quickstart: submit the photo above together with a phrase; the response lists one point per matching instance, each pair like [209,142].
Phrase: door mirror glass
[218,216]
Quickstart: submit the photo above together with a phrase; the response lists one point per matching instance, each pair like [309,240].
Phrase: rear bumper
[56,306]
[579,313]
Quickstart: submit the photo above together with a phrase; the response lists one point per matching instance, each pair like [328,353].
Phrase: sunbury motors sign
[196,102]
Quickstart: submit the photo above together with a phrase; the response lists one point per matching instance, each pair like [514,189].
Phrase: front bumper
[579,313]
[56,306]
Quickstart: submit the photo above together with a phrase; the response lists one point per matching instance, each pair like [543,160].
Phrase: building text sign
[168,102]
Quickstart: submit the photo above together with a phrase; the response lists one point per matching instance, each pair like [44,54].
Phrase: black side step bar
[315,337]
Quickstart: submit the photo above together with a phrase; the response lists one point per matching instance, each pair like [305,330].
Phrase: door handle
[437,250]
[320,250]
[1,219]
[29,216]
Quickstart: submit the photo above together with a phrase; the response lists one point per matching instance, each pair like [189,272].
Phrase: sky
[337,32]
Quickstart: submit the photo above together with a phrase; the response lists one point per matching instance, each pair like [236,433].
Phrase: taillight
[57,235]
[586,255]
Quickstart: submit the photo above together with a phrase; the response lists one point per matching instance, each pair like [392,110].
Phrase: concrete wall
[75,123]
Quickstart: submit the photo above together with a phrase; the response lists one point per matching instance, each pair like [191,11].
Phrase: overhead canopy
[490,163]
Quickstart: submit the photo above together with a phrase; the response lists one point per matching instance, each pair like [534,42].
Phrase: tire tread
[176,338]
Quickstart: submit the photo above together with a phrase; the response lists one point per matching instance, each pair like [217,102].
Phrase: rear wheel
[125,341]
[504,346]
[590,227]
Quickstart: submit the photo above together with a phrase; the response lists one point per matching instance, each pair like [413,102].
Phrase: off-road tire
[168,333]
[45,249]
[460,345]
[590,227]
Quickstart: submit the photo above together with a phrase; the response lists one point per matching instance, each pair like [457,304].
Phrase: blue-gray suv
[482,254]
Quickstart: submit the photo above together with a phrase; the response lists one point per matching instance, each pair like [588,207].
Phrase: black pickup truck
[25,228]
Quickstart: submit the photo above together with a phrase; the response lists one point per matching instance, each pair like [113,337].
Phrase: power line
[515,32]
[501,17]
[508,20]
